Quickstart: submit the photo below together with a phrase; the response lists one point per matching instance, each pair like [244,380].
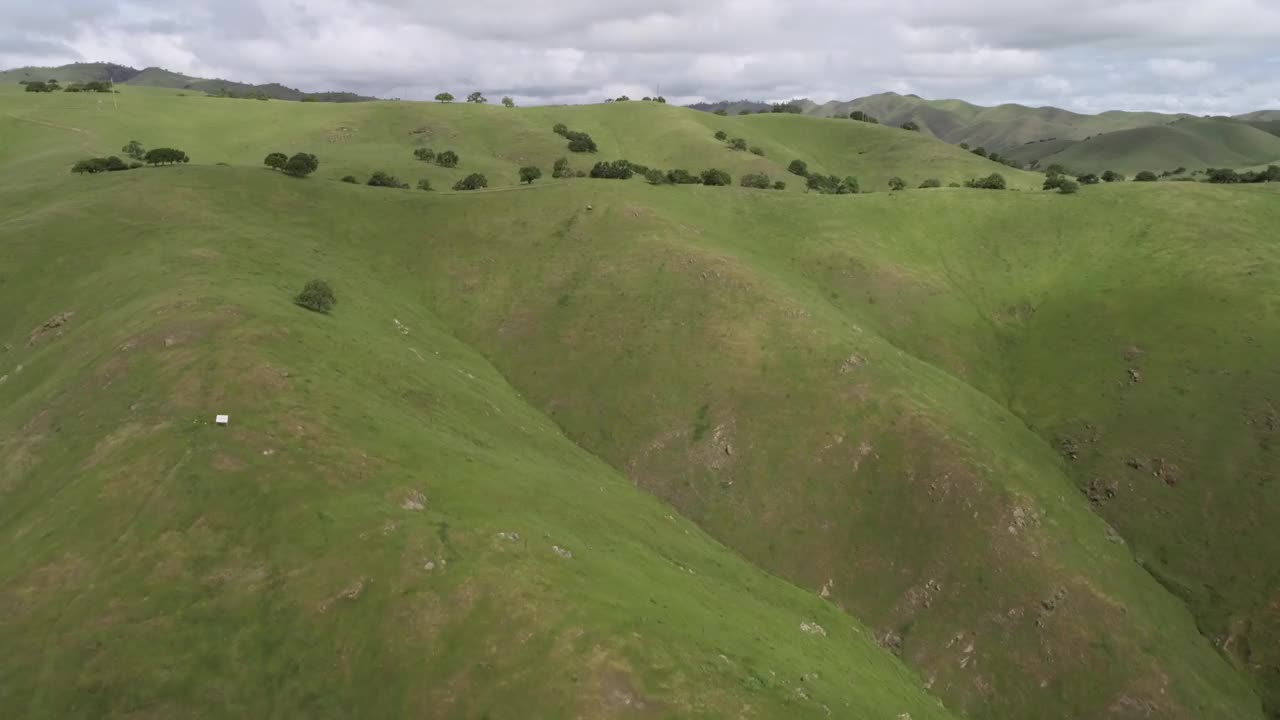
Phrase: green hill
[159,77]
[1192,143]
[904,407]
[1002,128]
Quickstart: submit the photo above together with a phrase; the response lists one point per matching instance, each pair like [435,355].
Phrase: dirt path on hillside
[47,124]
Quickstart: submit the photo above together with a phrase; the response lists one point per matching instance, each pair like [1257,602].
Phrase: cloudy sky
[1200,56]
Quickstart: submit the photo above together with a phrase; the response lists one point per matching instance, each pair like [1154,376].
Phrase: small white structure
[222,420]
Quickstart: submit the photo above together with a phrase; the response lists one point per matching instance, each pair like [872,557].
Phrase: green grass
[861,396]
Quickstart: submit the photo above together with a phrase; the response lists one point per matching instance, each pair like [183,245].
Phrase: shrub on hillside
[40,86]
[561,169]
[350,179]
[680,176]
[780,185]
[655,176]
[560,129]
[529,173]
[382,179]
[798,167]
[738,144]
[424,184]
[760,181]
[301,165]
[317,296]
[1112,176]
[994,181]
[93,166]
[897,183]
[722,135]
[616,170]
[1088,179]
[425,154]
[508,102]
[832,185]
[165,156]
[757,150]
[861,116]
[1145,176]
[980,152]
[1054,181]
[911,125]
[716,176]
[276,160]
[474,181]
[134,150]
[1068,187]
[581,142]
[931,183]
[448,159]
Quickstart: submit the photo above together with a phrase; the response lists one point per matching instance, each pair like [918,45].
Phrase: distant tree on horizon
[508,102]
[165,156]
[444,97]
[477,98]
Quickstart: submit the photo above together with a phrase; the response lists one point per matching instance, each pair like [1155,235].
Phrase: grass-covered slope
[378,532]
[1001,128]
[360,138]
[1194,144]
[869,396]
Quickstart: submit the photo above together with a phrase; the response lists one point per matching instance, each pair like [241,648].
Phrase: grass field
[912,419]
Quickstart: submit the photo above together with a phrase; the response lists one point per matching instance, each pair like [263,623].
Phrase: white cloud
[1207,56]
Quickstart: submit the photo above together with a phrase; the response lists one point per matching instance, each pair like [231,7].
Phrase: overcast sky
[1199,56]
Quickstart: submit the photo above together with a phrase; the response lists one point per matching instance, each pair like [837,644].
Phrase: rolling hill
[603,449]
[1192,143]
[159,77]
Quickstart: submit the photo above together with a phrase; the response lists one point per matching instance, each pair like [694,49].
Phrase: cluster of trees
[680,176]
[93,166]
[448,158]
[91,86]
[911,125]
[1056,179]
[616,170]
[992,156]
[623,98]
[739,143]
[476,97]
[578,141]
[134,150]
[300,165]
[1224,176]
[164,156]
[41,85]
[561,169]
[1112,176]
[1146,176]
[863,117]
[931,183]
[474,181]
[994,181]
[832,184]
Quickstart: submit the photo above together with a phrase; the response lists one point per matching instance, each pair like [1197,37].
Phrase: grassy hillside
[903,403]
[1002,128]
[1192,143]
[161,78]
[361,138]
[378,533]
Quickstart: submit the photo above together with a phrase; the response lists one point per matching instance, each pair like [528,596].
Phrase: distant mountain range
[1037,137]
[159,77]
